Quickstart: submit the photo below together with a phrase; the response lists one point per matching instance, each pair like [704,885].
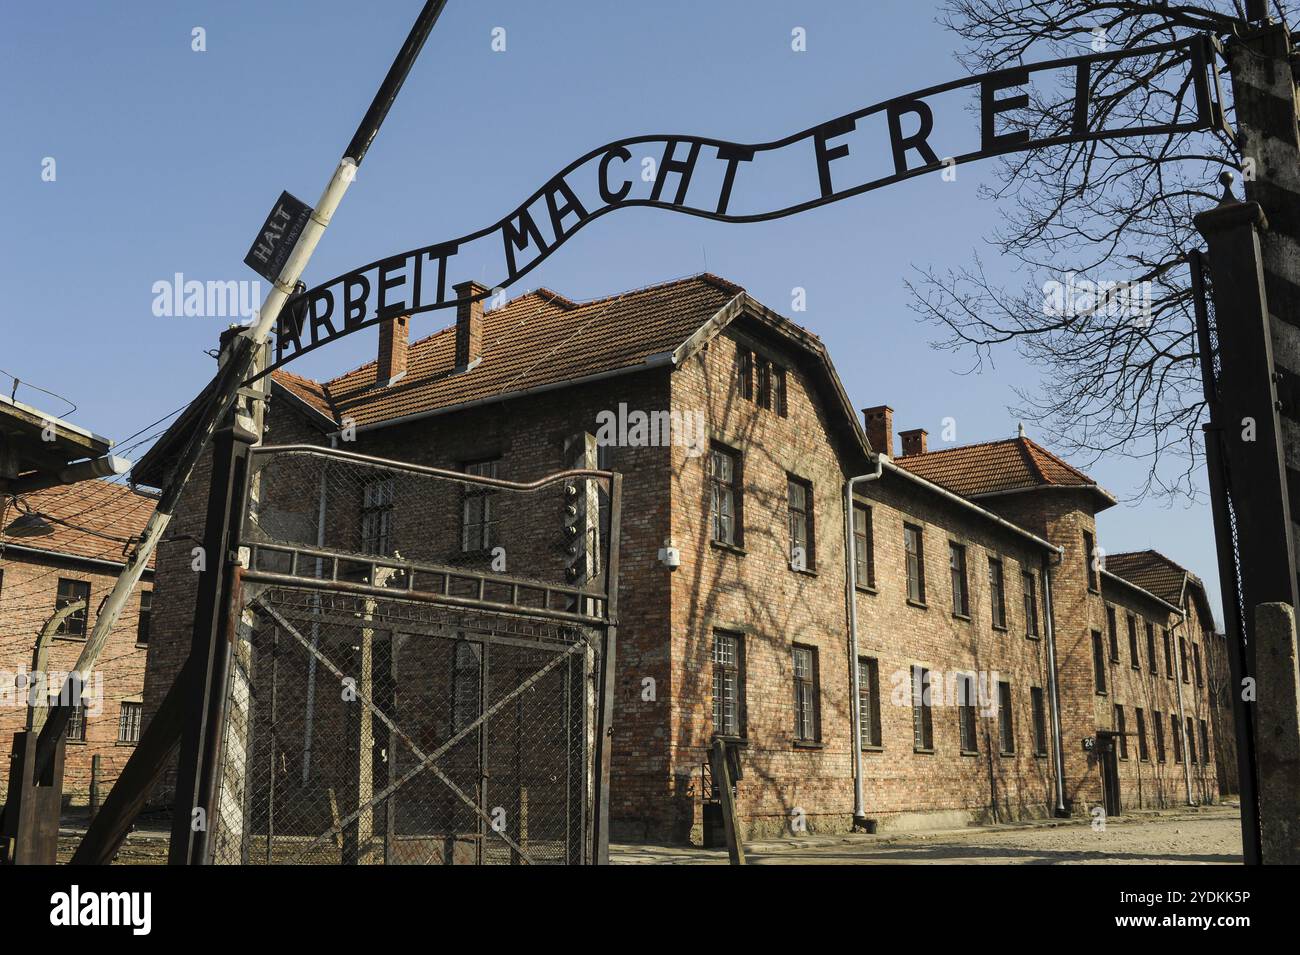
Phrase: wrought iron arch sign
[599,182]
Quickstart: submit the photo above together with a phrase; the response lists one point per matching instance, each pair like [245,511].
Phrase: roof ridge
[1026,449]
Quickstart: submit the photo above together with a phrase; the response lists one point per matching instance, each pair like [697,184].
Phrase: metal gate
[421,668]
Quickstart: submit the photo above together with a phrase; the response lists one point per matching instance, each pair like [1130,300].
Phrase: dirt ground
[1210,835]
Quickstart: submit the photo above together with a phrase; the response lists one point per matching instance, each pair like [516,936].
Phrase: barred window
[805,695]
[480,521]
[1121,731]
[1006,720]
[869,700]
[922,705]
[69,592]
[997,594]
[764,399]
[745,373]
[966,713]
[957,570]
[467,668]
[144,617]
[76,729]
[1143,753]
[1098,662]
[728,686]
[799,498]
[779,391]
[1090,561]
[1029,586]
[376,516]
[725,496]
[864,551]
[128,722]
[1040,720]
[914,546]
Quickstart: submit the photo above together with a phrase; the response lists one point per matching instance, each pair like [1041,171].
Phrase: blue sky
[167,160]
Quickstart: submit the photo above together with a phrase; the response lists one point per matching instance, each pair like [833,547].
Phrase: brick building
[72,560]
[977,583]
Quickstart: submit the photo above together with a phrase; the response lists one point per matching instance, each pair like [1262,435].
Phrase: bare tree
[1115,379]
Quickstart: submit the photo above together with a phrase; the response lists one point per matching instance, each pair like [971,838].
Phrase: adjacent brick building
[75,559]
[978,567]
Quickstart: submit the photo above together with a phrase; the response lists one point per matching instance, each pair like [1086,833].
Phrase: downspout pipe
[1179,670]
[850,588]
[1053,688]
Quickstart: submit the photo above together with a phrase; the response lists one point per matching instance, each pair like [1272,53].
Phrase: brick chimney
[913,441]
[469,324]
[394,338]
[879,425]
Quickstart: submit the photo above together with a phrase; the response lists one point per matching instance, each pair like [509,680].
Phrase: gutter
[968,505]
[1182,714]
[657,360]
[63,555]
[851,580]
[1053,687]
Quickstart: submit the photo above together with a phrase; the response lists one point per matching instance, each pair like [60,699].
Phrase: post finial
[1226,178]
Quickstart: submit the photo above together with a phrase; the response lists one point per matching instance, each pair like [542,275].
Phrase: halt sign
[277,237]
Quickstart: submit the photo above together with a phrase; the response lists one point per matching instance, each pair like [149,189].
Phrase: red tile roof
[91,519]
[540,338]
[1153,572]
[997,467]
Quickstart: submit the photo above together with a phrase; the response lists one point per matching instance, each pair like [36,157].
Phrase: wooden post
[96,780]
[722,779]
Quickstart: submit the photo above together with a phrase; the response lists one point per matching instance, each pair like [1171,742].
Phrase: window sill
[69,638]
[1040,756]
[1000,626]
[123,742]
[873,749]
[1010,755]
[965,617]
[729,548]
[142,646]
[807,572]
[807,744]
[737,740]
[75,742]
[1033,636]
[970,752]
[866,589]
[918,604]
[923,752]
[1101,693]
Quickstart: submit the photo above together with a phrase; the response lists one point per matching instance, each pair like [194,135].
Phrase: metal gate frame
[597,609]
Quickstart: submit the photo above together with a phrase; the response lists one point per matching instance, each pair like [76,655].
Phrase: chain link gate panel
[419,672]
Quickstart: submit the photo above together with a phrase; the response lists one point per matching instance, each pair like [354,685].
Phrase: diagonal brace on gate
[426,760]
